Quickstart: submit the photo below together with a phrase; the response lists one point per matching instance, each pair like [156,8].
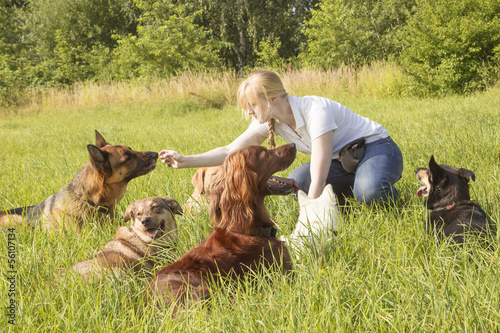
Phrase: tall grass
[383,273]
[379,80]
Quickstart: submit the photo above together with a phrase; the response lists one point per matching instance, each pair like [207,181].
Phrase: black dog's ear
[173,205]
[98,157]
[467,174]
[437,173]
[99,140]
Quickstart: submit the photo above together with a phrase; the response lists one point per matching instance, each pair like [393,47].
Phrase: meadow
[382,274]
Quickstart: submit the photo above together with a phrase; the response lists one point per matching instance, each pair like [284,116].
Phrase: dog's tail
[17,216]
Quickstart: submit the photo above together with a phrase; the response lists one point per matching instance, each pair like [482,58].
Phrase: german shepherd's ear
[437,174]
[173,205]
[98,157]
[99,140]
[467,174]
[129,213]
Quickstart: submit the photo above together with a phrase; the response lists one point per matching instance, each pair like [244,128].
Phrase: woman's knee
[302,175]
[383,193]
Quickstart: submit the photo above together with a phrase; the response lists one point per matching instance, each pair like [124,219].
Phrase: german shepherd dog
[94,191]
[452,214]
[152,229]
[244,236]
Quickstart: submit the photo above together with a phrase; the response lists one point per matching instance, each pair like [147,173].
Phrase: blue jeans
[373,181]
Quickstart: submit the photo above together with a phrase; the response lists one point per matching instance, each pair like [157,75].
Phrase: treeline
[441,46]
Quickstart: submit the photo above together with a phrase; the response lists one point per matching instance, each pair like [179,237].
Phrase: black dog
[453,213]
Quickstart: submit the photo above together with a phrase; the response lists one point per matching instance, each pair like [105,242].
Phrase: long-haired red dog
[244,236]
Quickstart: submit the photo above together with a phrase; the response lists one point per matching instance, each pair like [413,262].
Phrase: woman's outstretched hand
[171,158]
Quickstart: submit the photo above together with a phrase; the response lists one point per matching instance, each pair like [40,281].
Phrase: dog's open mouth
[281,186]
[422,191]
[156,232]
[423,178]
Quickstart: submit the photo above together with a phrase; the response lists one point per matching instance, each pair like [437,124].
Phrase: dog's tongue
[151,232]
[422,191]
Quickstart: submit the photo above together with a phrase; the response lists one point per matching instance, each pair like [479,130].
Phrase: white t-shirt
[315,116]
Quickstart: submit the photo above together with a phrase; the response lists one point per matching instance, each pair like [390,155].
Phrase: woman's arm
[213,157]
[321,159]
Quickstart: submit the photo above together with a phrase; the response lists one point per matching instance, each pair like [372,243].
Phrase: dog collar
[449,207]
[101,209]
[268,232]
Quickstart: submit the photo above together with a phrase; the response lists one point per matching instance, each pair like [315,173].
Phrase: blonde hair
[258,86]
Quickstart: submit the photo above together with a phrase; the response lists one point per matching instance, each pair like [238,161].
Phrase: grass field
[383,273]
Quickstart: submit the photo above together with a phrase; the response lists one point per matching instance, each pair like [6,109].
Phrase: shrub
[452,46]
[167,42]
[355,32]
[68,38]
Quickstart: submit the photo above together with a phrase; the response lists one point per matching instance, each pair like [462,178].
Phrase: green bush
[452,46]
[167,42]
[11,48]
[268,55]
[69,38]
[354,32]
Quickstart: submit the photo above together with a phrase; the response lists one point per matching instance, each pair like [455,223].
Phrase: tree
[12,47]
[355,31]
[167,42]
[241,25]
[453,46]
[69,37]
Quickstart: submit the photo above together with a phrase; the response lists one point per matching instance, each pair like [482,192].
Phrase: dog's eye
[156,209]
[128,156]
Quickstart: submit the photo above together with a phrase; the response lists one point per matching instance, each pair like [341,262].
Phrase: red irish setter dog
[244,236]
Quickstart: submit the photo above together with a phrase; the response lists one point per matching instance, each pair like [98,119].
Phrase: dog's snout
[418,169]
[153,155]
[293,146]
[146,220]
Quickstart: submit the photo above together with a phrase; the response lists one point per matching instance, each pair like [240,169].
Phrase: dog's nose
[145,220]
[293,146]
[417,170]
[154,155]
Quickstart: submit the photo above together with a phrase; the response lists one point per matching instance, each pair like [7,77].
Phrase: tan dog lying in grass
[152,229]
[202,181]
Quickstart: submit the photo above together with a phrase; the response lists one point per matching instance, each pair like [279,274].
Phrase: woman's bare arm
[321,159]
[212,157]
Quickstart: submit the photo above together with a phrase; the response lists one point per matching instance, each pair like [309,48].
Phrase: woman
[319,127]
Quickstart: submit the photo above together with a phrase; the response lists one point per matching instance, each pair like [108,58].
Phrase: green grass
[382,274]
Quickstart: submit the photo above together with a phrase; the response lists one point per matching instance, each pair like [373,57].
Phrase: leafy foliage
[69,37]
[241,25]
[440,46]
[453,46]
[268,54]
[355,31]
[11,50]
[167,42]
